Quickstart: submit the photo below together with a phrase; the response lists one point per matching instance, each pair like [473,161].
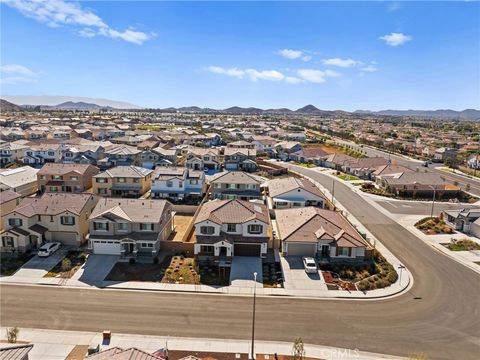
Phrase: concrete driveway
[37,267]
[295,277]
[241,272]
[95,269]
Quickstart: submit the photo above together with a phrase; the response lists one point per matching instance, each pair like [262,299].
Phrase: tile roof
[18,176]
[236,177]
[311,224]
[125,171]
[277,187]
[53,204]
[15,352]
[232,212]
[133,210]
[62,169]
[117,353]
[8,195]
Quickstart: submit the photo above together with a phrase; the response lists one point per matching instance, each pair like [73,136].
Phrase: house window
[100,226]
[7,241]
[74,178]
[15,222]
[180,184]
[231,186]
[51,153]
[194,182]
[251,186]
[43,177]
[77,188]
[57,177]
[207,230]
[101,180]
[67,220]
[343,251]
[39,218]
[101,191]
[53,189]
[216,186]
[122,226]
[146,227]
[136,181]
[121,180]
[147,245]
[255,229]
[207,249]
[231,227]
[169,184]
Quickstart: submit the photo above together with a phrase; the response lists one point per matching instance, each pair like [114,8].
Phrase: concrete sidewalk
[57,344]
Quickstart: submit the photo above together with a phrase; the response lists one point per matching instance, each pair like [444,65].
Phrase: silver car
[48,249]
[310,265]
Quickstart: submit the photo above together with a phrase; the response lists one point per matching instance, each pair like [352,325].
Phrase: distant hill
[309,109]
[470,114]
[70,105]
[59,100]
[8,106]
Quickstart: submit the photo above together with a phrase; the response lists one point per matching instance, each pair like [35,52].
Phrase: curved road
[439,316]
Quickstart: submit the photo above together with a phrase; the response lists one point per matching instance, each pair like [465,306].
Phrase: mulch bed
[334,284]
[136,272]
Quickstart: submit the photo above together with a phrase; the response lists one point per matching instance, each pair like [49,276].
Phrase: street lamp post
[433,200]
[333,189]
[253,321]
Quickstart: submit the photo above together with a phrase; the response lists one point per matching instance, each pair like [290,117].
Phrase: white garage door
[296,249]
[106,247]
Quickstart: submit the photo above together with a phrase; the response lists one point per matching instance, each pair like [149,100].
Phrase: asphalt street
[438,317]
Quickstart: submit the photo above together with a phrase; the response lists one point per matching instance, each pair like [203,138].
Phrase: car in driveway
[48,249]
[310,265]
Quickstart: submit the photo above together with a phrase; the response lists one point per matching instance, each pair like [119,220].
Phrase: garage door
[247,250]
[295,249]
[65,238]
[106,247]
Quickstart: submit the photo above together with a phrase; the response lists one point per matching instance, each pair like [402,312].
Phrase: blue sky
[335,55]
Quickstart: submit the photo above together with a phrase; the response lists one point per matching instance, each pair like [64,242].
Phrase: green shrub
[66,264]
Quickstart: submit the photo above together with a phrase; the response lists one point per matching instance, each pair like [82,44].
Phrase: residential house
[178,184]
[11,152]
[123,181]
[83,154]
[130,227]
[39,154]
[241,144]
[309,155]
[463,220]
[17,351]
[209,139]
[442,154]
[235,185]
[336,161]
[58,217]
[320,233]
[22,180]
[132,353]
[240,159]
[293,192]
[363,167]
[418,184]
[473,162]
[77,178]
[388,170]
[9,200]
[202,158]
[227,228]
[120,155]
[166,157]
[285,148]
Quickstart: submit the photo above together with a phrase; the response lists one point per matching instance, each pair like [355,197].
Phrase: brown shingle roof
[53,204]
[232,212]
[278,187]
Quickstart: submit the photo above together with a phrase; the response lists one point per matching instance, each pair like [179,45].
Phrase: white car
[310,265]
[48,249]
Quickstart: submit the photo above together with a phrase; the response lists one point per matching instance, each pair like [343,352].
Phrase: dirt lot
[181,223]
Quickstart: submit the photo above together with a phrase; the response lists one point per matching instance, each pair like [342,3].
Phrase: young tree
[12,334]
[298,349]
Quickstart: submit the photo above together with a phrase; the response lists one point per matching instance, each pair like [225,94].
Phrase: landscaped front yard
[272,274]
[10,263]
[347,177]
[463,245]
[73,261]
[433,226]
[172,270]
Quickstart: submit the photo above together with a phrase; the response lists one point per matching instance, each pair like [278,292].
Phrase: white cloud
[290,54]
[57,13]
[316,76]
[229,72]
[395,39]
[306,58]
[294,80]
[369,68]
[345,63]
[272,75]
[15,73]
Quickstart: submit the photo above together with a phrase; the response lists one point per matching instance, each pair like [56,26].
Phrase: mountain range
[77,103]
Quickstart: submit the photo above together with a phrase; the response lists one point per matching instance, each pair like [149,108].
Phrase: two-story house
[293,192]
[320,233]
[123,181]
[83,154]
[22,180]
[235,185]
[178,184]
[130,227]
[240,159]
[39,154]
[227,228]
[202,158]
[11,152]
[58,217]
[54,177]
[120,155]
[9,200]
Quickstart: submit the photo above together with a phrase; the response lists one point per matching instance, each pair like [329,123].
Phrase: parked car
[48,249]
[310,265]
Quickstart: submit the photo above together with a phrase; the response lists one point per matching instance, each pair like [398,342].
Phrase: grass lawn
[309,166]
[347,177]
[463,245]
[9,263]
[69,265]
[433,226]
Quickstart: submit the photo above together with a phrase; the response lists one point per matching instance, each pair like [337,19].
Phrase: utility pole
[333,189]
[253,322]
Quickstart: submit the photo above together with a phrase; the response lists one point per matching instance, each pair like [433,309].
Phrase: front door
[325,250]
[131,247]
